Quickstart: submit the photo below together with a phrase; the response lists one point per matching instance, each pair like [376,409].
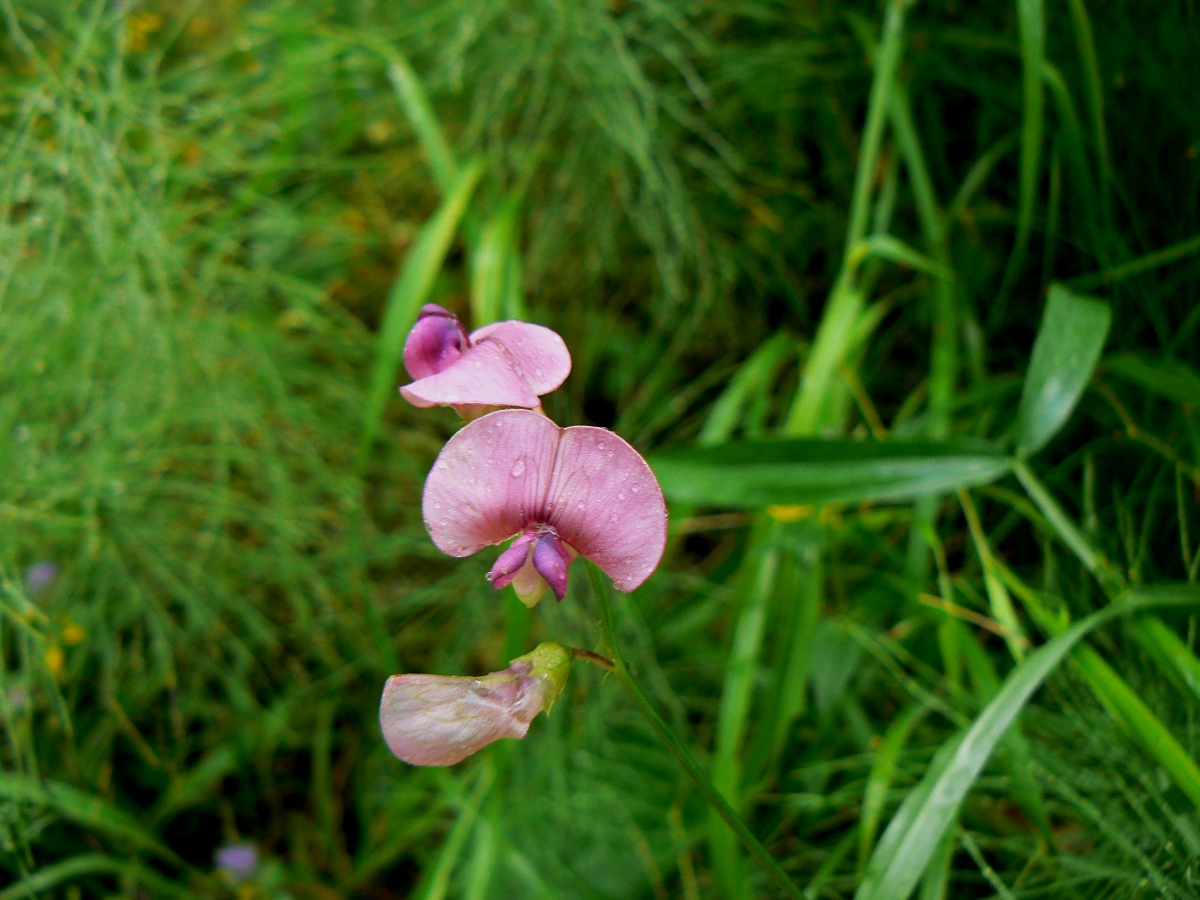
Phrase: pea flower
[438,720]
[503,364]
[560,492]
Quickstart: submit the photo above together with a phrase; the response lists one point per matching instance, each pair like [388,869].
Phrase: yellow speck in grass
[72,632]
[793,513]
[54,660]
[139,27]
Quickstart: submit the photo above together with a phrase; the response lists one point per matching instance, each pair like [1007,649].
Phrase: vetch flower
[237,862]
[560,492]
[503,364]
[438,720]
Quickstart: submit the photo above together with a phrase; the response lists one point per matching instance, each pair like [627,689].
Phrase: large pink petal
[485,375]
[490,480]
[606,503]
[540,354]
[438,720]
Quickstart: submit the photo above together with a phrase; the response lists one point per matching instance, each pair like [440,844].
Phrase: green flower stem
[675,744]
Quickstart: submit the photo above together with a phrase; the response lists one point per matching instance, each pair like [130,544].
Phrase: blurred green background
[750,220]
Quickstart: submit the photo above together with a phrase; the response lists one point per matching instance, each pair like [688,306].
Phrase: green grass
[750,221]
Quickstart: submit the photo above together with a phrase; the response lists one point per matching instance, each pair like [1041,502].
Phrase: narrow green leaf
[415,102]
[490,263]
[754,376]
[913,835]
[84,809]
[1032,27]
[409,293]
[1065,353]
[762,473]
[1168,378]
[884,246]
[49,877]
[883,770]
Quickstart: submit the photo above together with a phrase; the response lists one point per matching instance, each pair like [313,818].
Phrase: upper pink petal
[490,480]
[434,343]
[485,375]
[606,503]
[438,720]
[540,354]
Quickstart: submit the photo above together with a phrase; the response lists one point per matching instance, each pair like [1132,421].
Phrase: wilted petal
[438,720]
[485,375]
[510,561]
[540,354]
[606,503]
[435,342]
[551,559]
[490,481]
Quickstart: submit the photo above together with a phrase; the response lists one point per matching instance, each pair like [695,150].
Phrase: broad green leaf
[1168,378]
[409,293]
[777,472]
[918,826]
[1065,352]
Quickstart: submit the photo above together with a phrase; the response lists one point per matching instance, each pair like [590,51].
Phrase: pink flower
[559,491]
[503,364]
[438,720]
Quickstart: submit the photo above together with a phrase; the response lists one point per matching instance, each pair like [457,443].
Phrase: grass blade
[914,833]
[1065,353]
[415,102]
[85,810]
[409,293]
[1168,378]
[1031,24]
[773,472]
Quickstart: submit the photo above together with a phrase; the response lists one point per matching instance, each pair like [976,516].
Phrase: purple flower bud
[435,342]
[238,862]
[39,577]
[499,365]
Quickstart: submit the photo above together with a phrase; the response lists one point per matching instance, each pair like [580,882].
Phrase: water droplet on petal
[518,468]
[614,517]
[621,496]
[537,372]
[635,489]
[580,504]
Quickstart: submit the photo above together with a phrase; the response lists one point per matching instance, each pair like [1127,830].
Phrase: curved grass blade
[1168,378]
[1065,353]
[915,831]
[774,472]
[84,809]
[409,293]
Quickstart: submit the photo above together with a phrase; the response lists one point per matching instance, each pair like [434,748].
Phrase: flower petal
[551,560]
[510,561]
[606,503]
[438,720]
[540,354]
[486,375]
[434,343]
[490,480]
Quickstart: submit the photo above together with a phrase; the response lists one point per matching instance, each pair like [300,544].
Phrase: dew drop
[537,372]
[600,445]
[613,517]
[621,496]
[635,489]
[580,504]
[518,468]
[443,465]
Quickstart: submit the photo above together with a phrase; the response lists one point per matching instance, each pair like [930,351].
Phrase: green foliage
[799,254]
